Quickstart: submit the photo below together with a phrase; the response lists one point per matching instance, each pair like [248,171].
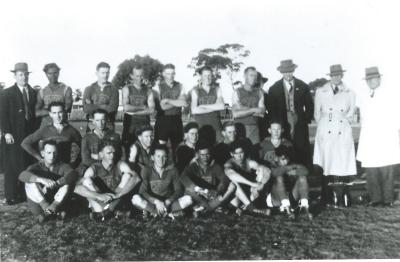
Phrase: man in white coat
[379,144]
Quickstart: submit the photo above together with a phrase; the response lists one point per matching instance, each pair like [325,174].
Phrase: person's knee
[185,201]
[138,201]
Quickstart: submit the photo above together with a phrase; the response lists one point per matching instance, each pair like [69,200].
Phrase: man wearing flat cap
[17,120]
[379,143]
[289,101]
[55,91]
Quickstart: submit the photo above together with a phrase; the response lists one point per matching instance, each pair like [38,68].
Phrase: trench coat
[334,144]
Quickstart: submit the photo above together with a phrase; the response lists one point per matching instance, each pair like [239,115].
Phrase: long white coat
[334,145]
[379,143]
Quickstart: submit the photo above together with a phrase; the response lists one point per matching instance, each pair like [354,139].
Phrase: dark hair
[48,142]
[102,65]
[235,145]
[250,68]
[275,121]
[202,144]
[204,68]
[55,104]
[142,129]
[100,111]
[168,66]
[189,126]
[106,142]
[156,147]
[50,65]
[226,124]
[283,150]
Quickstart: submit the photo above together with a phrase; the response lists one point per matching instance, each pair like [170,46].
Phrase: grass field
[356,232]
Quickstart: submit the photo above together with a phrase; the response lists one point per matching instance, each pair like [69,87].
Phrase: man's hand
[105,198]
[9,139]
[167,203]
[258,111]
[160,206]
[48,183]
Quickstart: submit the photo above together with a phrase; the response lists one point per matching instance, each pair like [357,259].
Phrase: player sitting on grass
[290,186]
[105,183]
[205,181]
[47,183]
[160,193]
[250,179]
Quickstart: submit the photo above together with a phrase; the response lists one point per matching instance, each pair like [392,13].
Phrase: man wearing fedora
[379,143]
[289,101]
[334,145]
[17,118]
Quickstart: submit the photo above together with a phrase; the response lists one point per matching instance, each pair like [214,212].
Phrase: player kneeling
[105,183]
[160,193]
[47,183]
[250,179]
[205,181]
[290,186]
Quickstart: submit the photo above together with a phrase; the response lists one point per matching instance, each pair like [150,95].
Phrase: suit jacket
[12,113]
[304,108]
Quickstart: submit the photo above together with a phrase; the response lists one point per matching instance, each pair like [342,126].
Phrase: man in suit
[17,117]
[290,102]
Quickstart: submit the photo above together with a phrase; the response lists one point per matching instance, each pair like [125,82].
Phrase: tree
[227,58]
[151,69]
[76,95]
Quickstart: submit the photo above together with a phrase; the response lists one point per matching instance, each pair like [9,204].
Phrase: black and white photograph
[199,130]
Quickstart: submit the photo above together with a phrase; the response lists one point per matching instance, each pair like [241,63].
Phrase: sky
[315,34]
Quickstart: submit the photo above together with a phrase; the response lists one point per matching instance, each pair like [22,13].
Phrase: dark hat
[23,67]
[336,70]
[50,65]
[286,66]
[371,72]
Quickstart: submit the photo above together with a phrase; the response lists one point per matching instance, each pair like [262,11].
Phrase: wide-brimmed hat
[50,65]
[286,66]
[23,67]
[336,70]
[371,72]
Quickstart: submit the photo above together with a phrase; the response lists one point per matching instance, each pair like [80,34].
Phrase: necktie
[26,103]
[336,90]
[372,93]
[291,87]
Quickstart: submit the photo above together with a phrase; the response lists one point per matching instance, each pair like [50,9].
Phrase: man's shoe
[41,218]
[375,204]
[178,213]
[10,202]
[146,214]
[304,211]
[288,212]
[96,216]
[61,215]
[388,204]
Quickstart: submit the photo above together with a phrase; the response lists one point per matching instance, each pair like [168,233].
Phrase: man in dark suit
[290,102]
[17,120]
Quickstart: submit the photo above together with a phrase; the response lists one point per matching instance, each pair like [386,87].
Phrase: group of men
[209,165]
